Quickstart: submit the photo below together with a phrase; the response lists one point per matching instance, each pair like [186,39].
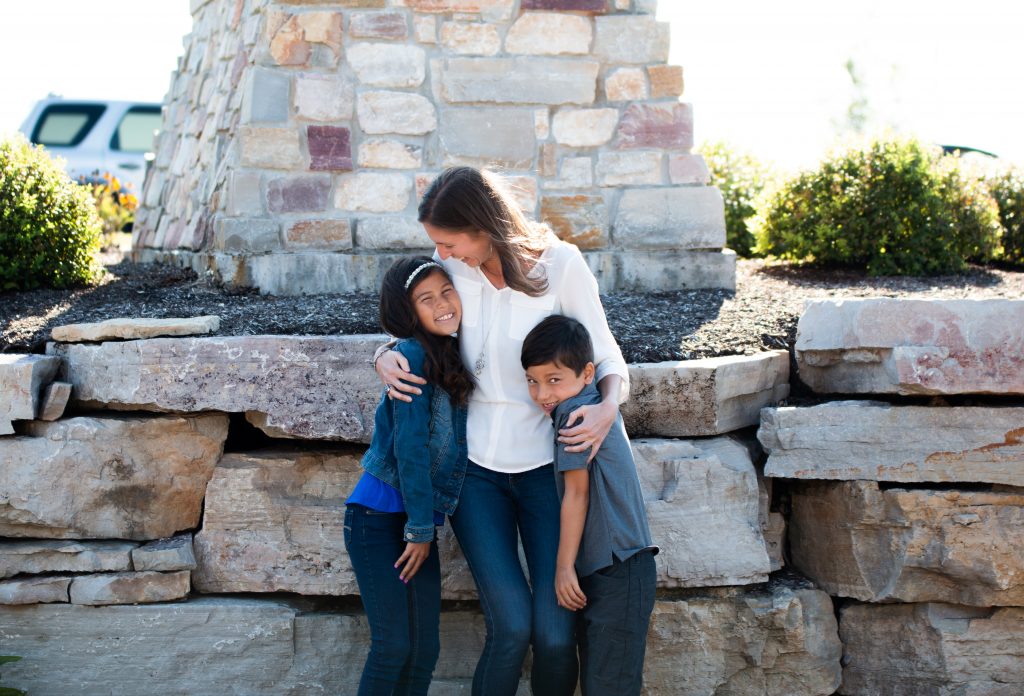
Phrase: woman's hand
[595,421]
[412,558]
[393,370]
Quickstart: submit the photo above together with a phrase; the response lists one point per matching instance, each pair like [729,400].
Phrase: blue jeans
[404,619]
[494,511]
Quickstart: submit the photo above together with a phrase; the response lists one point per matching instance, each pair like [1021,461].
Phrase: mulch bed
[760,315]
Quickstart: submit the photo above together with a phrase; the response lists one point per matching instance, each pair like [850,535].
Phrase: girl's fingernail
[395,566]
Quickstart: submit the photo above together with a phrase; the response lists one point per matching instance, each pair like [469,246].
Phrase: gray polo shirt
[616,526]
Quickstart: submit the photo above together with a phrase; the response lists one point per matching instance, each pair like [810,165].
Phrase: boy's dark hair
[561,340]
[443,365]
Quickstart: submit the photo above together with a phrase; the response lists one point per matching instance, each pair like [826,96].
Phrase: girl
[511,273]
[414,470]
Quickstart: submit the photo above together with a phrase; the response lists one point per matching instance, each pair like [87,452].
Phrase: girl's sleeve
[580,300]
[412,432]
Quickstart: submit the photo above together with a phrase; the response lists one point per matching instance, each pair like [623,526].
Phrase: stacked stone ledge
[911,515]
[299,136]
[100,507]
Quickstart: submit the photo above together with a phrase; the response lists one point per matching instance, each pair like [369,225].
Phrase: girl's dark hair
[443,364]
[468,200]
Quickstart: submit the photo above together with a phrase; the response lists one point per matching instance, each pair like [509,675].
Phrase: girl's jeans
[404,642]
[494,511]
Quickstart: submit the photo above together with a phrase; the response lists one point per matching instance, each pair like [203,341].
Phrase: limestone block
[541,123]
[667,125]
[593,6]
[649,271]
[389,154]
[633,168]
[330,148]
[626,84]
[115,477]
[470,38]
[901,346]
[34,590]
[387,65]
[876,441]
[575,172]
[666,80]
[378,25]
[128,329]
[318,234]
[55,400]
[923,649]
[246,235]
[710,396]
[549,33]
[173,553]
[266,96]
[373,192]
[524,191]
[270,148]
[495,135]
[22,380]
[857,540]
[581,219]
[395,112]
[703,510]
[298,194]
[631,39]
[688,169]
[314,387]
[129,588]
[34,556]
[381,232]
[244,194]
[670,218]
[584,127]
[323,97]
[780,640]
[525,80]
[425,28]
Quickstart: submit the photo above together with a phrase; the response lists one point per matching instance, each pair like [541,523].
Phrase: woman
[511,274]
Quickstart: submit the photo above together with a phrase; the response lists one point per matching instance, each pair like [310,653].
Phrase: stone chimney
[299,135]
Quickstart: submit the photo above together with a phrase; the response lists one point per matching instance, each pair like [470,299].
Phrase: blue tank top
[372,493]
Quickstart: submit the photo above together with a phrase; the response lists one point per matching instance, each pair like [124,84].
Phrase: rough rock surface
[879,442]
[22,378]
[18,556]
[35,590]
[165,555]
[110,477]
[135,328]
[857,540]
[55,400]
[711,396]
[777,640]
[932,649]
[288,386]
[129,588]
[900,346]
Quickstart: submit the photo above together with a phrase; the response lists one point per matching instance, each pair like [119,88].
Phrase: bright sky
[766,76]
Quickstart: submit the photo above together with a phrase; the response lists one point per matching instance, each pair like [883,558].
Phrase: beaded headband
[416,272]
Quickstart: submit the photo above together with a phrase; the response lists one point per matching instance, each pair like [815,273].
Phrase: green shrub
[1008,191]
[7,690]
[740,177]
[49,231]
[894,207]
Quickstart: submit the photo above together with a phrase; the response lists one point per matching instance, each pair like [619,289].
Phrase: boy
[605,564]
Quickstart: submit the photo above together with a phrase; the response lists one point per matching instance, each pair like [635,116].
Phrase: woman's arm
[393,370]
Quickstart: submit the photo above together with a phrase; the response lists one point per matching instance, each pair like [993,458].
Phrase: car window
[136,130]
[66,125]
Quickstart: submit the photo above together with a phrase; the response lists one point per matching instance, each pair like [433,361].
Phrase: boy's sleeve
[568,461]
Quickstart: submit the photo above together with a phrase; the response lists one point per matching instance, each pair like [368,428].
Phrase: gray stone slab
[131,328]
[54,401]
[22,378]
[652,271]
[495,135]
[173,553]
[313,387]
[877,441]
[129,588]
[267,97]
[35,590]
[683,217]
[33,556]
[710,396]
[524,80]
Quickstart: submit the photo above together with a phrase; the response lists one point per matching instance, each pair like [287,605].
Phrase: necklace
[481,362]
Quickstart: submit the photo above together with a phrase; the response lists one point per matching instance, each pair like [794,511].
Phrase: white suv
[97,136]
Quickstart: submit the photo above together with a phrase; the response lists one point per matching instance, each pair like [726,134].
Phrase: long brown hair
[443,365]
[472,201]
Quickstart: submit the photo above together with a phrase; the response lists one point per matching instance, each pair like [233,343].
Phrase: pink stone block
[688,169]
[664,125]
[566,5]
[330,148]
[306,194]
[379,25]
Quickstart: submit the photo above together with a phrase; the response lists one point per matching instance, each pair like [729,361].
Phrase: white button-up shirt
[507,432]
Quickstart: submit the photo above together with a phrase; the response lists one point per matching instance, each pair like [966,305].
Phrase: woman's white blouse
[507,432]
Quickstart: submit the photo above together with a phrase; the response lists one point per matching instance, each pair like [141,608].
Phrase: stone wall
[298,136]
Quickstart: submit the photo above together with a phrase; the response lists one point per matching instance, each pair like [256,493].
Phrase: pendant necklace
[481,363]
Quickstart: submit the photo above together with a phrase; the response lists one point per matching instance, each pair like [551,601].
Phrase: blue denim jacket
[420,449]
